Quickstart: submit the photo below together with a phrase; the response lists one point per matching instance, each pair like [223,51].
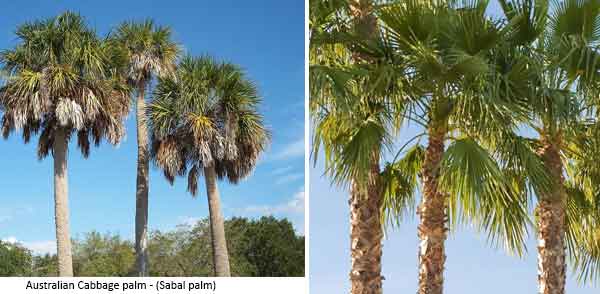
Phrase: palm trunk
[217,225]
[61,205]
[366,234]
[551,226]
[432,227]
[141,194]
[366,231]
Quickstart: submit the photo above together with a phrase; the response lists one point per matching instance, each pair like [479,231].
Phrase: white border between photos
[306,154]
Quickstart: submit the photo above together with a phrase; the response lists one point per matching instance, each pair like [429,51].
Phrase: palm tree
[150,52]
[59,83]
[561,42]
[354,103]
[205,120]
[452,59]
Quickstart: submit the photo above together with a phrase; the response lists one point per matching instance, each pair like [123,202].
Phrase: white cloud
[11,240]
[37,247]
[289,178]
[291,150]
[295,205]
[282,170]
[293,210]
[41,247]
[189,220]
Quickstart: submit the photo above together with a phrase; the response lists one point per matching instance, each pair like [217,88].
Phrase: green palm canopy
[60,78]
[206,116]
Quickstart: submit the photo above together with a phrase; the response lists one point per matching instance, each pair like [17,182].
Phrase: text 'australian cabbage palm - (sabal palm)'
[205,121]
[150,53]
[61,82]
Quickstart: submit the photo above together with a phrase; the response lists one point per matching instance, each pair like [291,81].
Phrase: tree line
[62,80]
[506,107]
[265,247]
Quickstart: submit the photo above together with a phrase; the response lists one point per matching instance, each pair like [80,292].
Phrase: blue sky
[266,38]
[472,266]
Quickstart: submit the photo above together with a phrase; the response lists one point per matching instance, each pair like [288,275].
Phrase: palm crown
[59,79]
[206,116]
[148,48]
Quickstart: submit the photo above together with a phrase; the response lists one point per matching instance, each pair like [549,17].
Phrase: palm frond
[481,193]
[400,181]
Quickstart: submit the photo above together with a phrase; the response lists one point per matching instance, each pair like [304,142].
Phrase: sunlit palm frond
[400,181]
[527,19]
[482,194]
[583,232]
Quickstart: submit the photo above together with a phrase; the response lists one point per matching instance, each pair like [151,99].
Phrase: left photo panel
[152,139]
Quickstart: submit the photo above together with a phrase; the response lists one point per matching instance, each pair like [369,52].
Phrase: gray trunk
[217,225]
[141,194]
[61,205]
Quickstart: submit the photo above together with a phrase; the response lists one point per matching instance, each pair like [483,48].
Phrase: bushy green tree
[258,248]
[103,255]
[45,265]
[15,260]
[261,247]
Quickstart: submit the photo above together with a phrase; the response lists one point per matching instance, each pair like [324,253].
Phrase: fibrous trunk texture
[366,230]
[432,227]
[141,194]
[365,24]
[61,205]
[366,234]
[217,225]
[551,226]
[365,21]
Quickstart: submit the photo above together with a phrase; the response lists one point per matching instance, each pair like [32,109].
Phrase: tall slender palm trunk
[551,225]
[61,205]
[366,234]
[217,224]
[141,194]
[432,227]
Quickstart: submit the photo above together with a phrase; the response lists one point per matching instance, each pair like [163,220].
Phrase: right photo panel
[454,146]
